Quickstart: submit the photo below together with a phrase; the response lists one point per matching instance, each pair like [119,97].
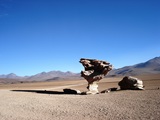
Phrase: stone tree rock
[131,83]
[94,71]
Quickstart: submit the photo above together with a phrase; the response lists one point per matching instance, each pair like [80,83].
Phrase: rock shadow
[46,92]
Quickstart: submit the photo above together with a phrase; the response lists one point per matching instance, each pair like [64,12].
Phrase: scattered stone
[109,90]
[131,83]
[71,91]
[94,71]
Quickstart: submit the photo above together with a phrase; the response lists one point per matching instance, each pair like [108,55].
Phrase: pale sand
[118,105]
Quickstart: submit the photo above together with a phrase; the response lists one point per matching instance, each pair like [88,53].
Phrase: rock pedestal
[94,71]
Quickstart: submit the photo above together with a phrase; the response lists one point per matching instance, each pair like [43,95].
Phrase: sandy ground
[46,101]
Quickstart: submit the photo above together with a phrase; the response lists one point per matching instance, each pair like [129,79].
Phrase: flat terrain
[47,101]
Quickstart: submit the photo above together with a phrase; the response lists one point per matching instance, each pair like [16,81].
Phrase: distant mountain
[8,80]
[151,66]
[43,76]
[52,75]
[10,76]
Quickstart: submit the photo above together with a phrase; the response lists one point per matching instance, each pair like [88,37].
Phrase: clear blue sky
[46,35]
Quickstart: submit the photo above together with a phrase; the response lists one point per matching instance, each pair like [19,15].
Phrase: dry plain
[47,101]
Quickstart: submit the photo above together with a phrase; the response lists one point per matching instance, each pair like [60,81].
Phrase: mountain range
[48,76]
[151,66]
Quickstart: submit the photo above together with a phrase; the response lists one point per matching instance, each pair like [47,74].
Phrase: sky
[45,35]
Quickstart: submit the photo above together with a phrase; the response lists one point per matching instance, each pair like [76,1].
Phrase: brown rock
[71,91]
[131,83]
[94,71]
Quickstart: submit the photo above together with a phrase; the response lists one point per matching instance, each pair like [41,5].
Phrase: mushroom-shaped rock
[94,71]
[131,83]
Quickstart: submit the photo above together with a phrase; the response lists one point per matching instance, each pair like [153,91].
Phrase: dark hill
[151,66]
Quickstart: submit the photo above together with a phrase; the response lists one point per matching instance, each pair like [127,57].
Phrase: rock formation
[131,83]
[94,71]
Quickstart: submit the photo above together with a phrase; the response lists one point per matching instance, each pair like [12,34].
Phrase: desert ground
[47,101]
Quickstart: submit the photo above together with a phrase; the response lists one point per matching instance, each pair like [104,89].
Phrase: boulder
[131,83]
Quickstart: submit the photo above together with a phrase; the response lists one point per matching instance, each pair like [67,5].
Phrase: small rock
[109,90]
[71,91]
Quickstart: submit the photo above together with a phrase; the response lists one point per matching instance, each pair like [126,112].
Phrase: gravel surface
[118,105]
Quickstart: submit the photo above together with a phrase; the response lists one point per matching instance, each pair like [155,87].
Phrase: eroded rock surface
[94,71]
